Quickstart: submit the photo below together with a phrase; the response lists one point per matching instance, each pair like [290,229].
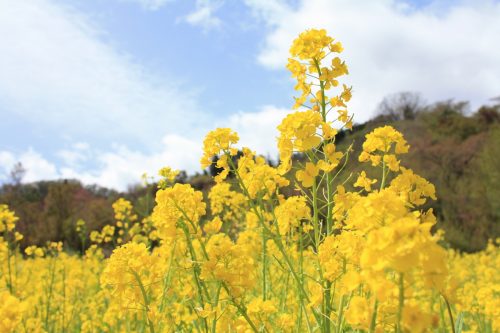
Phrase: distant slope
[459,154]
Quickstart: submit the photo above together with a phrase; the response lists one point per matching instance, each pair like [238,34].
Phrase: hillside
[460,155]
[456,150]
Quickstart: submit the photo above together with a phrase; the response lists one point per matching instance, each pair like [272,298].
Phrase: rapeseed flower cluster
[292,248]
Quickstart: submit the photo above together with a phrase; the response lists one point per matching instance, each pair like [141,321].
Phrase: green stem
[340,315]
[241,308]
[328,307]
[322,88]
[450,314]
[382,183]
[401,301]
[146,301]
[329,194]
[9,283]
[168,278]
[373,322]
[329,218]
[52,269]
[196,268]
[64,300]
[316,224]
[264,264]
[301,272]
[214,322]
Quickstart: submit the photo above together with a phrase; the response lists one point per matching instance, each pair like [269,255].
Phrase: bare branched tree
[399,106]
[17,173]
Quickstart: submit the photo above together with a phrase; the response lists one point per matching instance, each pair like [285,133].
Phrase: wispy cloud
[59,71]
[61,75]
[149,4]
[77,154]
[258,130]
[204,15]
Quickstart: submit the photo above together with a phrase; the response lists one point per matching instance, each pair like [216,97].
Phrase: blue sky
[104,90]
[207,58]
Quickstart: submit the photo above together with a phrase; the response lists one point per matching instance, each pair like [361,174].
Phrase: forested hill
[457,150]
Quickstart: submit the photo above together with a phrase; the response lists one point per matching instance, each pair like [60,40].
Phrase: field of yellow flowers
[323,260]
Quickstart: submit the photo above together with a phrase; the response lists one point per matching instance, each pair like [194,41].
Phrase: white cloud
[7,161]
[270,12]
[116,168]
[149,4]
[78,153]
[60,73]
[441,51]
[37,167]
[204,14]
[258,130]
[122,166]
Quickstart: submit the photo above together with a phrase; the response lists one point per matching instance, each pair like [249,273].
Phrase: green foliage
[460,155]
[48,210]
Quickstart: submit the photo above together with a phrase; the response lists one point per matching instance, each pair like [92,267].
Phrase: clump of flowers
[11,311]
[7,219]
[178,208]
[219,141]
